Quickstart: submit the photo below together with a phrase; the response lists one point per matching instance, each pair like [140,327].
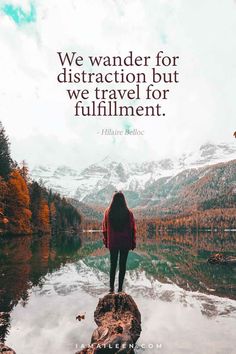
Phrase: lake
[186,304]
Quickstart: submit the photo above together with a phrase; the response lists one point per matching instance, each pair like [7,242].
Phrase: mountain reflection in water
[45,281]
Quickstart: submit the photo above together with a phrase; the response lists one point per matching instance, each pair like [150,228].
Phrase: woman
[119,233]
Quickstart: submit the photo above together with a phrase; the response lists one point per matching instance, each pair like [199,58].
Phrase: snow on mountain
[62,179]
[99,180]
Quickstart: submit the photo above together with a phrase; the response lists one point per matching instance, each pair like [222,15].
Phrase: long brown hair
[118,213]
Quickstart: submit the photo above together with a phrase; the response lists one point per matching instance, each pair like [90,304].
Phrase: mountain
[194,189]
[62,179]
[145,184]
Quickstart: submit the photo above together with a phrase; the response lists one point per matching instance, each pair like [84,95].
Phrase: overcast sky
[37,114]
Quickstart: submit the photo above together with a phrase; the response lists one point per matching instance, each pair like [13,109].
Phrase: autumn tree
[43,216]
[17,204]
[39,208]
[27,206]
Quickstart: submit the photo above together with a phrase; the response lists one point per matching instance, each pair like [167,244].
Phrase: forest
[26,206]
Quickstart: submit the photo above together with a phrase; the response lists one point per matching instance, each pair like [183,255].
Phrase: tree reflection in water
[24,261]
[177,258]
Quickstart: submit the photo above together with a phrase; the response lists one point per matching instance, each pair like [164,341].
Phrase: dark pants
[122,267]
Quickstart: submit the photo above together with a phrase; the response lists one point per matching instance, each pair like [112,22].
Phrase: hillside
[194,189]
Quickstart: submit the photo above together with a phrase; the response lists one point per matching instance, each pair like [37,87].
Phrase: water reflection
[182,259]
[24,261]
[61,275]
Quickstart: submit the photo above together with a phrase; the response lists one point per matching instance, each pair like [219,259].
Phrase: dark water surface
[186,304]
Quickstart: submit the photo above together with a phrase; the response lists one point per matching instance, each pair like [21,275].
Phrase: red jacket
[125,239]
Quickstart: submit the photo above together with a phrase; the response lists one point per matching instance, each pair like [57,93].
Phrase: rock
[221,259]
[119,325]
[6,350]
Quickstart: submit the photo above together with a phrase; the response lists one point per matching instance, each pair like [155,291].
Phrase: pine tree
[35,198]
[53,216]
[3,190]
[24,171]
[5,157]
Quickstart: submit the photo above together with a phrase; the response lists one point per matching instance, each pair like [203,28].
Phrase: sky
[34,108]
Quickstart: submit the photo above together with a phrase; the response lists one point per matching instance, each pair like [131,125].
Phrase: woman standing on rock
[119,233]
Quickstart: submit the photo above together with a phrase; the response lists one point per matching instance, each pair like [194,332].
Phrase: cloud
[37,113]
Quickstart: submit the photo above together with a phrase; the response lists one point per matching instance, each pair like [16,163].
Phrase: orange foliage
[18,201]
[219,219]
[3,190]
[43,216]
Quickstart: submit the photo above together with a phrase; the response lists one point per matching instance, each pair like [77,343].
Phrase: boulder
[219,258]
[119,325]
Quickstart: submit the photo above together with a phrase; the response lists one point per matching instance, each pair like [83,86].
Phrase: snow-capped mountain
[62,179]
[97,182]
